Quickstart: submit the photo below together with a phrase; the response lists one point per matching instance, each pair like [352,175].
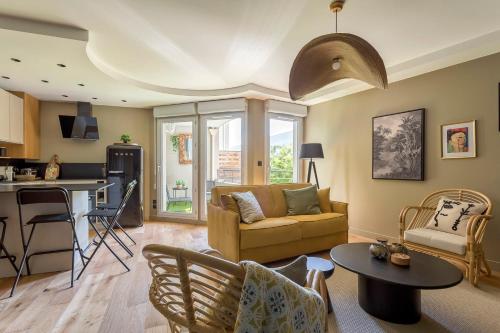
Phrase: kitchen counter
[50,236]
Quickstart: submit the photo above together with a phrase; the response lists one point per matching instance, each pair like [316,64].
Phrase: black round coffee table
[392,292]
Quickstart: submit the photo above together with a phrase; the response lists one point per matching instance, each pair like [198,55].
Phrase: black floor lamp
[311,150]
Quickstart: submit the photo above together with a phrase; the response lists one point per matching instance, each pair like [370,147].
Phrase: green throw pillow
[302,202]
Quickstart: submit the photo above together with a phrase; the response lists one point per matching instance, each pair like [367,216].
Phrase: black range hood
[82,126]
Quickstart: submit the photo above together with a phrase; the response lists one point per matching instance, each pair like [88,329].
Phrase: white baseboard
[495,265]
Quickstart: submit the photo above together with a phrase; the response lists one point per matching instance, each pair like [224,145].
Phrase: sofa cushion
[437,239]
[321,224]
[269,231]
[302,201]
[250,210]
[324,200]
[451,215]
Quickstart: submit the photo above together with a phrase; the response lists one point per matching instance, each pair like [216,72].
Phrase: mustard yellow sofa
[278,236]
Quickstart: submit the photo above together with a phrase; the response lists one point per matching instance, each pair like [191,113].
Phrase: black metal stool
[52,195]
[109,219]
[7,255]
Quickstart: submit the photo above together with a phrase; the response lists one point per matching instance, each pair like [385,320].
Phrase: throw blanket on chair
[271,302]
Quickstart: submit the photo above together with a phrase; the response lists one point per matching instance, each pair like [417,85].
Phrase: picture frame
[458,140]
[398,146]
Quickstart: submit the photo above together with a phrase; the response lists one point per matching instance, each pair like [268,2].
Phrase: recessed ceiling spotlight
[61,65]
[45,81]
[64,95]
[124,100]
[94,97]
[15,60]
[81,84]
[5,77]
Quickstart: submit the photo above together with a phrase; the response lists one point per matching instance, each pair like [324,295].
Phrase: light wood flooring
[106,298]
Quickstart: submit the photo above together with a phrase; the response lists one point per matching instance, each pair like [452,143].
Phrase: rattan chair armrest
[476,226]
[402,216]
[212,252]
[316,281]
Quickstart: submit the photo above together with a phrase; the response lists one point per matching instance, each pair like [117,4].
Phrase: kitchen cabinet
[4,116]
[16,119]
[30,147]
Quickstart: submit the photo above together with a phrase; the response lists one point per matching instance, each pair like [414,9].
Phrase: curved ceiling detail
[222,92]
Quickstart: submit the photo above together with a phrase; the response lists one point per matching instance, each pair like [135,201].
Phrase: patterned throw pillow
[227,202]
[451,215]
[250,210]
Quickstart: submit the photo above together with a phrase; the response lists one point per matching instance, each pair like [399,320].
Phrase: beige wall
[256,141]
[112,122]
[463,92]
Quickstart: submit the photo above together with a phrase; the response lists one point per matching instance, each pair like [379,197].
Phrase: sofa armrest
[224,232]
[339,207]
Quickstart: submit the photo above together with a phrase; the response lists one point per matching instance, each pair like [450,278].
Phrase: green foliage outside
[281,164]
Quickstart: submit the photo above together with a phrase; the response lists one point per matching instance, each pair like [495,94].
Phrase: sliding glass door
[222,153]
[177,167]
[284,136]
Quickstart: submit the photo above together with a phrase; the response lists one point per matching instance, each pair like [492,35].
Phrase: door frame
[160,144]
[203,151]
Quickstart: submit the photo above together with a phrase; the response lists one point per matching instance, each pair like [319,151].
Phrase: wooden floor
[105,299]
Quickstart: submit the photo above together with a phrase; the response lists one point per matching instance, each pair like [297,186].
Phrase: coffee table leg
[388,301]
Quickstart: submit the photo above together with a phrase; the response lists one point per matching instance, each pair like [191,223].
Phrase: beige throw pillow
[451,215]
[250,210]
[324,200]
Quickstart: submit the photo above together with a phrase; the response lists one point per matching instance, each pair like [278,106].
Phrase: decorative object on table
[398,145]
[53,168]
[379,251]
[185,149]
[400,259]
[397,248]
[169,293]
[388,292]
[302,201]
[310,151]
[468,249]
[458,140]
[125,138]
[180,184]
[333,57]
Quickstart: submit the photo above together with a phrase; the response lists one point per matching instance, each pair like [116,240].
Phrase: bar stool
[7,255]
[50,195]
[109,218]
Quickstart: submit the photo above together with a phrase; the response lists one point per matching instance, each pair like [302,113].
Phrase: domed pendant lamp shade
[333,57]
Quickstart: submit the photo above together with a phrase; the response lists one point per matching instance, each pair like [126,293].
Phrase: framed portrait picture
[398,145]
[458,140]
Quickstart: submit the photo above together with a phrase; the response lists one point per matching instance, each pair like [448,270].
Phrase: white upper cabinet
[4,116]
[11,118]
[16,119]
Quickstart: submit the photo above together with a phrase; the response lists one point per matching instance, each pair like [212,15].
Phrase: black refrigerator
[124,163]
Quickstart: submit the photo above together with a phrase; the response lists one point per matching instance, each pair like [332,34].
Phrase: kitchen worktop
[82,185]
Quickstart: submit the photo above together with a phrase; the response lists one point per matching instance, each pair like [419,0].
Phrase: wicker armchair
[198,291]
[473,259]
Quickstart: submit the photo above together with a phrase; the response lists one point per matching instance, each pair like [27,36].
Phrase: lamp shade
[311,150]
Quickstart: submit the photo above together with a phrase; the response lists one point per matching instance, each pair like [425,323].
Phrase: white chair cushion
[437,239]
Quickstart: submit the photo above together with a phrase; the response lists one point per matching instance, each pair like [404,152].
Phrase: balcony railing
[277,176]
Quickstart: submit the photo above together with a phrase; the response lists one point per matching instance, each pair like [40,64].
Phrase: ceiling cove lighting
[334,57]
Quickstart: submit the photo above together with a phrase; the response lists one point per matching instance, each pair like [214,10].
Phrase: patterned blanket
[272,303]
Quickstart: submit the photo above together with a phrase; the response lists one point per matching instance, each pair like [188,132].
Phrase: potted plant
[125,138]
[179,183]
[174,139]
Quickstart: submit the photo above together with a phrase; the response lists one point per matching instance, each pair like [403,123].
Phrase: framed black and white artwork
[398,142]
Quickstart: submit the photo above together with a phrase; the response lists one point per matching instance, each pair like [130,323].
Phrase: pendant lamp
[333,57]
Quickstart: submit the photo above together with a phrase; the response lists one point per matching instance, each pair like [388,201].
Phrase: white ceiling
[157,52]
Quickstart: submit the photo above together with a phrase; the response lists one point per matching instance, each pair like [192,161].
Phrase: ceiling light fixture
[94,97]
[81,84]
[64,95]
[333,57]
[5,77]
[61,65]
[15,60]
[124,100]
[45,81]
